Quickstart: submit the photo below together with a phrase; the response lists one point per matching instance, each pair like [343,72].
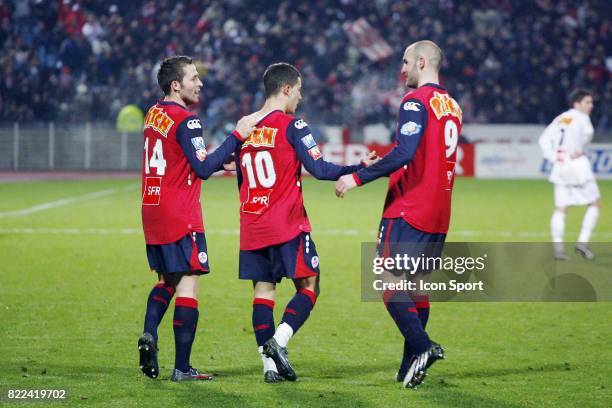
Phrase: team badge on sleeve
[315,153]
[410,128]
[309,141]
[200,146]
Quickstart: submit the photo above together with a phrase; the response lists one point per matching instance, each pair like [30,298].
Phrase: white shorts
[566,196]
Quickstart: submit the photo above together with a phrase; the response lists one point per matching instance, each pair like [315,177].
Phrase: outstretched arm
[412,122]
[308,153]
[189,137]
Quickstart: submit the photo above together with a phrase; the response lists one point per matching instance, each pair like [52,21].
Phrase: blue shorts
[294,259]
[397,237]
[188,254]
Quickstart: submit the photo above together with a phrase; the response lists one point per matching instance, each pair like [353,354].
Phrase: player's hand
[371,158]
[577,155]
[230,164]
[344,184]
[246,125]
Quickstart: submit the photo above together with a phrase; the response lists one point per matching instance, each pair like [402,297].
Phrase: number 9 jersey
[421,165]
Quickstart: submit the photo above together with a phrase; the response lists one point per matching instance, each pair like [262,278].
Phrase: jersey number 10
[264,173]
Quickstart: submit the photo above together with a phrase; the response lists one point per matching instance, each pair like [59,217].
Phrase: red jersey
[170,189]
[269,173]
[421,166]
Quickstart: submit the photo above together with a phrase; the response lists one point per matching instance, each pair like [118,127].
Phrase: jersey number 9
[451,137]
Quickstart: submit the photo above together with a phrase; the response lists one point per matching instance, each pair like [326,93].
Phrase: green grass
[72,304]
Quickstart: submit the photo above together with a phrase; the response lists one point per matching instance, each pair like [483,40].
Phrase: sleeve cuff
[238,136]
[357,179]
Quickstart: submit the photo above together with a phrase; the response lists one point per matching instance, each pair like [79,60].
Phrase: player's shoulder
[180,114]
[569,117]
[167,116]
[419,98]
[277,119]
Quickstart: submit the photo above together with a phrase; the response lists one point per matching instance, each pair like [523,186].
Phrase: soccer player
[275,241]
[563,143]
[174,161]
[421,170]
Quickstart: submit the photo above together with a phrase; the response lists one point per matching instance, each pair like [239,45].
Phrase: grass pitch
[74,282]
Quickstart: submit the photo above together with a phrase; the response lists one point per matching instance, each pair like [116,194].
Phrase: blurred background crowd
[505,61]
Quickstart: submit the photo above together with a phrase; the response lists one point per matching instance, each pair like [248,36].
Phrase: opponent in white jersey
[563,144]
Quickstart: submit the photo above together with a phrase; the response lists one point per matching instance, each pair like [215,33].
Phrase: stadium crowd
[505,61]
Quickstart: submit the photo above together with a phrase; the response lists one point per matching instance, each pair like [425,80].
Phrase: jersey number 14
[157,160]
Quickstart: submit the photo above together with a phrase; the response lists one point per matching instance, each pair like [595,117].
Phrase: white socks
[268,363]
[557,225]
[283,334]
[588,223]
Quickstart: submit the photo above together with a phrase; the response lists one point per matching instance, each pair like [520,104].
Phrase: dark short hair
[171,69]
[578,95]
[278,75]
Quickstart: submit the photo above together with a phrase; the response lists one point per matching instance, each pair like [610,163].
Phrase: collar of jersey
[433,85]
[166,103]
[268,114]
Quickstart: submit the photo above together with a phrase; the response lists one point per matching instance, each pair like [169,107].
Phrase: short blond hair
[429,50]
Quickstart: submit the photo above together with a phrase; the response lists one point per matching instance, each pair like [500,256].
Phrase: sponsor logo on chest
[443,104]
[261,137]
[158,120]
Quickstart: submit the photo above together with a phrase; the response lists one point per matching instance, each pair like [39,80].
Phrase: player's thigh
[188,254]
[257,265]
[299,259]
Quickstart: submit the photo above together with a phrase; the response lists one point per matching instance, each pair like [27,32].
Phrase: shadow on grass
[243,386]
[505,371]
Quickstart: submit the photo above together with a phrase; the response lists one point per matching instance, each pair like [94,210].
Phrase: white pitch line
[229,231]
[64,201]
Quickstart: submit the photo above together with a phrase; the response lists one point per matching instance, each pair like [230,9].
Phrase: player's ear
[286,89]
[421,62]
[175,86]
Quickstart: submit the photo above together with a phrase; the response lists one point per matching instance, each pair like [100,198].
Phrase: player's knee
[187,286]
[309,283]
[596,204]
[264,290]
[561,209]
